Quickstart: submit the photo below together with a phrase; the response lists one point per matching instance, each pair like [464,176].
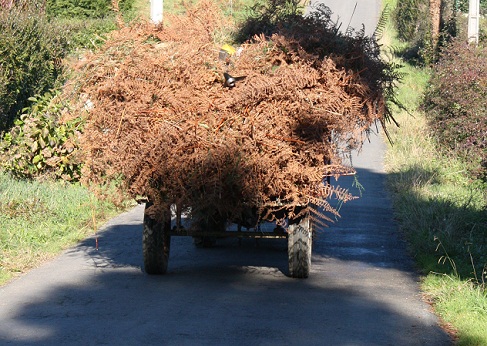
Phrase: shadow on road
[121,246]
[362,290]
[366,232]
[212,305]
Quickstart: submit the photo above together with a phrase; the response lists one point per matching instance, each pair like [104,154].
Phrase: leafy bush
[33,44]
[409,19]
[31,49]
[413,24]
[456,102]
[40,145]
[84,8]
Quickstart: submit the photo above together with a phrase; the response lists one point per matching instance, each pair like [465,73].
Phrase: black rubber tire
[156,243]
[299,248]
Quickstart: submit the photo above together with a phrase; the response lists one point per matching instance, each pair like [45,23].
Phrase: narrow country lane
[352,13]
[362,290]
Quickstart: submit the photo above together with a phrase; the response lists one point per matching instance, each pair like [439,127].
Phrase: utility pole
[473,21]
[156,10]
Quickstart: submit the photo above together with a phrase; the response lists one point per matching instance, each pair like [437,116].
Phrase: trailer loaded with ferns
[242,135]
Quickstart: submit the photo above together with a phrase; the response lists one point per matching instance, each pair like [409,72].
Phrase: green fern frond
[382,22]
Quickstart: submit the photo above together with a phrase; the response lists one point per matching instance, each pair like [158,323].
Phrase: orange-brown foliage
[164,121]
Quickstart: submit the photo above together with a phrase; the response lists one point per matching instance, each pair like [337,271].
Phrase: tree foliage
[412,19]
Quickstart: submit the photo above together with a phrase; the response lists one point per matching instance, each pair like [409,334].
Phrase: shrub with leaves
[84,8]
[409,19]
[31,49]
[456,102]
[40,145]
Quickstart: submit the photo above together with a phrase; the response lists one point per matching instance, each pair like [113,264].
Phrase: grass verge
[442,212]
[38,220]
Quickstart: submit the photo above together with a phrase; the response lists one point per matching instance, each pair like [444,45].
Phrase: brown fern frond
[116,9]
[165,125]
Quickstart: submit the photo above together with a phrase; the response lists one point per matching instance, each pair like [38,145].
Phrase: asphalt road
[362,290]
[356,14]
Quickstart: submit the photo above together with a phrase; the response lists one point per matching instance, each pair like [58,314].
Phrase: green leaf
[37,159]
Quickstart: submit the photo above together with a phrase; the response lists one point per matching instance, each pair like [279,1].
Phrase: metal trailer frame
[157,235]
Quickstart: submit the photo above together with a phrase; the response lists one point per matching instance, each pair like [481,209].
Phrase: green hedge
[31,52]
[410,19]
[456,102]
[84,8]
[34,38]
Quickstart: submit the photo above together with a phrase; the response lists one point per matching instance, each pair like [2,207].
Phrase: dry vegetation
[164,124]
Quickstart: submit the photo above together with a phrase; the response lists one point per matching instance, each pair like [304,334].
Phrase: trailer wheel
[156,242]
[299,248]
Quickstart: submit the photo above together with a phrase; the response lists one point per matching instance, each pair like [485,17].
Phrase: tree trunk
[435,14]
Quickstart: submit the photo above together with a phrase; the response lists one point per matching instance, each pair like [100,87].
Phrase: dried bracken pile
[164,124]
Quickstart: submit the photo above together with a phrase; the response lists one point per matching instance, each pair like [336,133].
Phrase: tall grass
[442,212]
[38,220]
[462,304]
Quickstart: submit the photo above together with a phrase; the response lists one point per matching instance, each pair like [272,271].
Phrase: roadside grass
[442,212]
[439,206]
[463,304]
[142,8]
[236,8]
[40,219]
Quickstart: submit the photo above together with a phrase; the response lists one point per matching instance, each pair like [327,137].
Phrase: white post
[156,10]
[473,21]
